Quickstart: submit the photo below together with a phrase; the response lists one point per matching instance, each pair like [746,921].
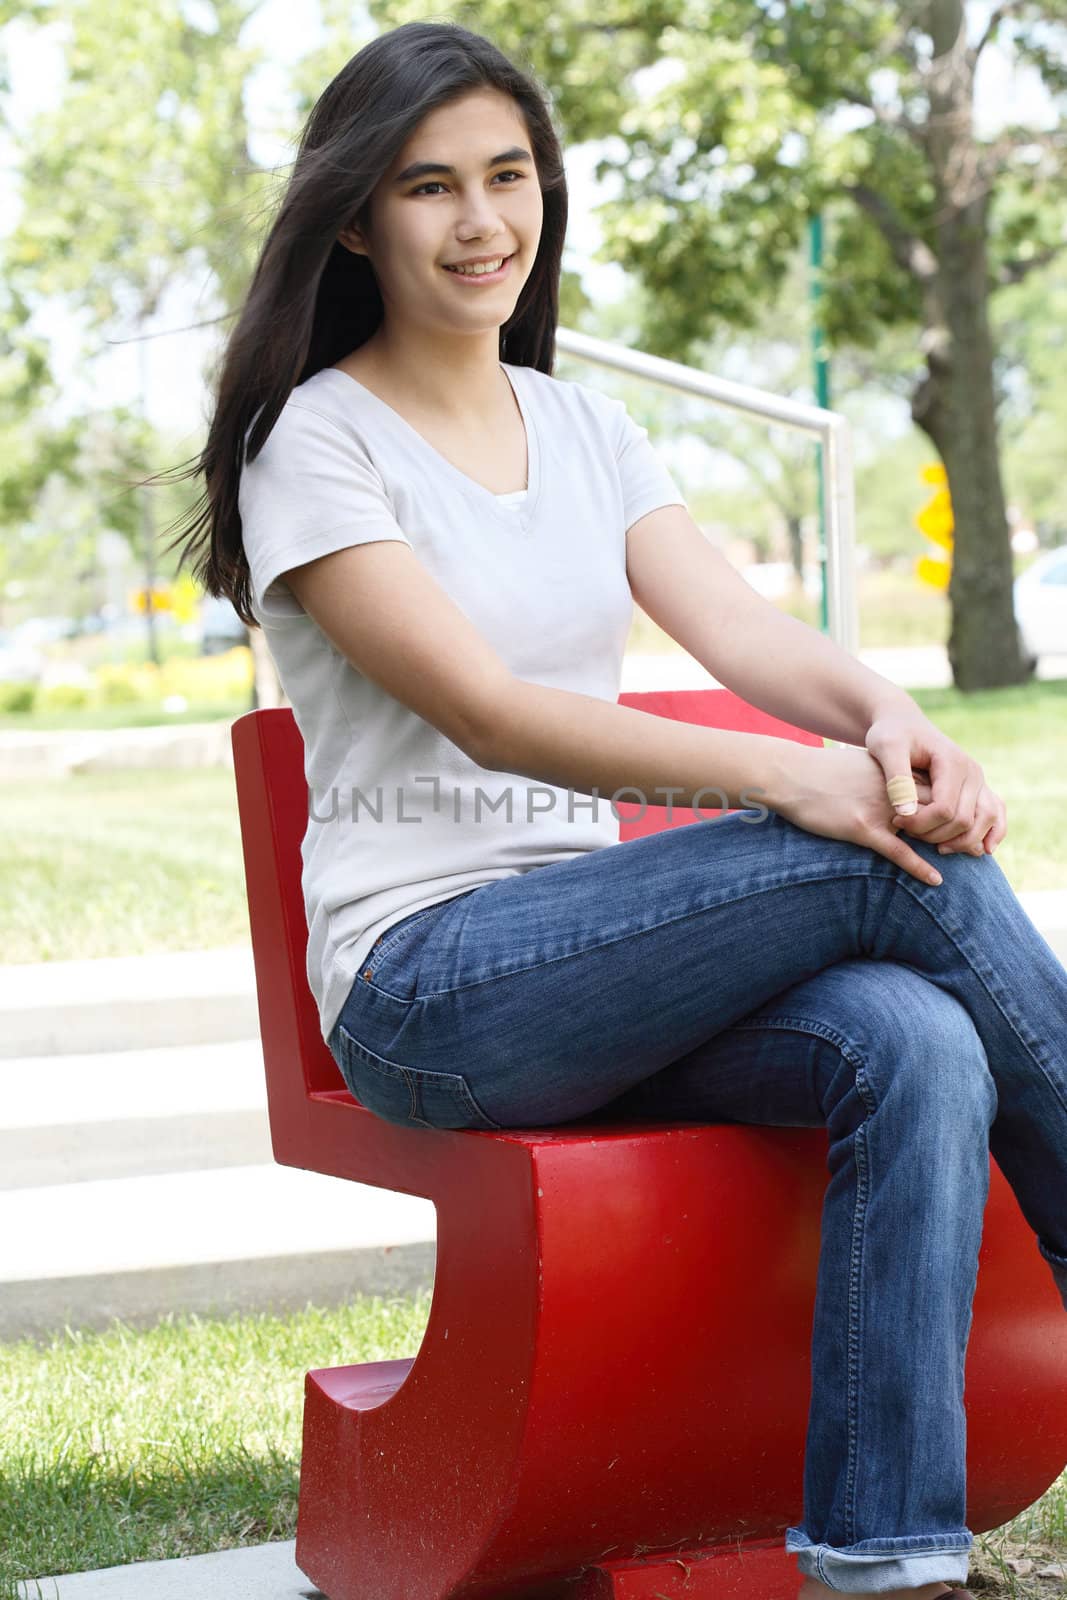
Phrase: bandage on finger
[902,790]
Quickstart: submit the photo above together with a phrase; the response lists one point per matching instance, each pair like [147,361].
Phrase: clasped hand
[956,809]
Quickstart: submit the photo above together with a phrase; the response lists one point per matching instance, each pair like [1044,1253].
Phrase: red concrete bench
[610,1401]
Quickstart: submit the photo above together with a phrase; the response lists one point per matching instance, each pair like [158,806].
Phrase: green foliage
[17,697]
[165,185]
[62,697]
[725,134]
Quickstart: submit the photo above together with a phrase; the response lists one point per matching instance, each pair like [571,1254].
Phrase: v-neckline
[509,511]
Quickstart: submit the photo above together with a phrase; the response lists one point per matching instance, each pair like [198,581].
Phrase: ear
[352,239]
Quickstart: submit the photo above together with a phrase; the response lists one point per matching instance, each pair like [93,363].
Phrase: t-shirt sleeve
[646,483]
[311,489]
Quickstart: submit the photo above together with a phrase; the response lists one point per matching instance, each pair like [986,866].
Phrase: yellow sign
[937,523]
[161,599]
[936,519]
[187,599]
[935,573]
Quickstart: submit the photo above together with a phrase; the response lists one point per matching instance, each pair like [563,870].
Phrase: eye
[433,184]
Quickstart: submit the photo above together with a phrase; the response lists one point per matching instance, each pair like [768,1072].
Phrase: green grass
[121,863]
[140,861]
[1019,736]
[140,1445]
[143,715]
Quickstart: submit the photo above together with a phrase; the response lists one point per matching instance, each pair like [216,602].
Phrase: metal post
[829,428]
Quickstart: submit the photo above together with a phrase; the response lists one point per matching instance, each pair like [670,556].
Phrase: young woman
[442,544]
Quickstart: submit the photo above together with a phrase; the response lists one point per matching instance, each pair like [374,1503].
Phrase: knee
[908,1041]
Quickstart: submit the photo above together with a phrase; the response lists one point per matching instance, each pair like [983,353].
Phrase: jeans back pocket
[406,1096]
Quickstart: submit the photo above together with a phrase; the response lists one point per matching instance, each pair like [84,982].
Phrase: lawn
[139,1445]
[121,863]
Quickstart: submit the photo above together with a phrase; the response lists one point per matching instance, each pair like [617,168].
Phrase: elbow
[489,727]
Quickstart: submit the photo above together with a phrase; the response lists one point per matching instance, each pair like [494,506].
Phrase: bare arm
[764,655]
[396,625]
[578,742]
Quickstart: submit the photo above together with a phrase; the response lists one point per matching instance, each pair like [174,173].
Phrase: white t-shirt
[399,817]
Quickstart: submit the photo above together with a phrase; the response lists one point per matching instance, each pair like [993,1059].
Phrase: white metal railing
[829,428]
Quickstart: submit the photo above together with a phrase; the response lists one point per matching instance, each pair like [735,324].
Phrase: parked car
[220,626]
[1040,598]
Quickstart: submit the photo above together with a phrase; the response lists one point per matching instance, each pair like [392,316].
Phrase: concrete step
[51,1008]
[143,1182]
[62,752]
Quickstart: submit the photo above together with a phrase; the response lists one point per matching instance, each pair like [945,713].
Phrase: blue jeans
[741,970]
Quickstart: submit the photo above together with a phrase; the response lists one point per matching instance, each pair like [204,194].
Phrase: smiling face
[490,204]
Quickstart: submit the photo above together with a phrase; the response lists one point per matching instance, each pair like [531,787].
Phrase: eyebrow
[420,169]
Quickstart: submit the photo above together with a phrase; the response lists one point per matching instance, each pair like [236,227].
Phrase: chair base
[762,1571]
[333,1556]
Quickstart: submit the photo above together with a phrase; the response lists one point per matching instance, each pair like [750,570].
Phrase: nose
[480,216]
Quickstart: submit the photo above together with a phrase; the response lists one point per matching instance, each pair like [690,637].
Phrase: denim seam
[394,936]
[810,1025]
[605,944]
[856,1252]
[861,1161]
[963,1542]
[384,947]
[413,1078]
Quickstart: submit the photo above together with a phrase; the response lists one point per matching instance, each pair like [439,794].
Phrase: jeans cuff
[900,1563]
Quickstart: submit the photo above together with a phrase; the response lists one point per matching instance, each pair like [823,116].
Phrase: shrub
[125,683]
[62,697]
[226,676]
[17,697]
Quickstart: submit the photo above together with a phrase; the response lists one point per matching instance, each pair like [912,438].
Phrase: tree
[721,166]
[32,449]
[141,176]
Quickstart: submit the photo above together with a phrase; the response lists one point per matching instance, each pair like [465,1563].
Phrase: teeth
[480,271]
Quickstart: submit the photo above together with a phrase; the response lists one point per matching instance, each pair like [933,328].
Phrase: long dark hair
[311,301]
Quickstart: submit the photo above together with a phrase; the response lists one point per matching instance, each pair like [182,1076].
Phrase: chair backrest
[272,799]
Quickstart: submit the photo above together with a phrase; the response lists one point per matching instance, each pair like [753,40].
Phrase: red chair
[610,1399]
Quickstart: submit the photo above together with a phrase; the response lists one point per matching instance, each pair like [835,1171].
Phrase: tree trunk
[957,409]
[955,404]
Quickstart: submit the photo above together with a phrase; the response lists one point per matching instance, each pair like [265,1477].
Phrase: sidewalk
[136,1182]
[256,1572]
[59,753]
[128,1002]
